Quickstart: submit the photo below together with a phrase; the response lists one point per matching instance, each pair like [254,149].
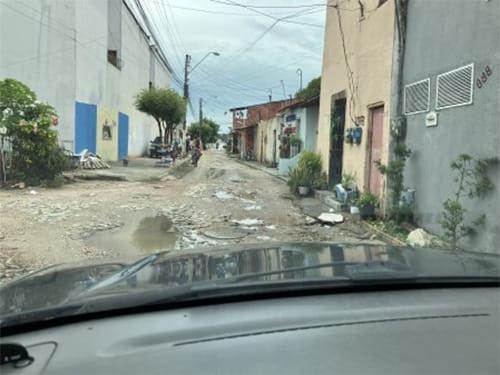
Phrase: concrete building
[299,122]
[452,105]
[356,91]
[88,59]
[267,142]
[245,125]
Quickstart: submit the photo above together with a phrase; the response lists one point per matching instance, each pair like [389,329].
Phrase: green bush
[366,199]
[307,173]
[36,156]
[311,162]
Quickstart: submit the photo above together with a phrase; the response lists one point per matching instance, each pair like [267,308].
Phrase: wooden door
[375,151]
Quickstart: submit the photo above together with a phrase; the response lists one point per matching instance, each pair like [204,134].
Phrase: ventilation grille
[417,97]
[455,88]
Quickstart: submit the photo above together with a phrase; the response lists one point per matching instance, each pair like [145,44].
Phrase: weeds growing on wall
[471,181]
[394,170]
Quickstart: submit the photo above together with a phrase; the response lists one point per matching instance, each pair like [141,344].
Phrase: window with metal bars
[455,88]
[416,97]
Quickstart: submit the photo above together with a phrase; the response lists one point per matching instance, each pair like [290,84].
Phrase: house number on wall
[483,78]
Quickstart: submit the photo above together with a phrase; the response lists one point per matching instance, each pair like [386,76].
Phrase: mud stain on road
[141,233]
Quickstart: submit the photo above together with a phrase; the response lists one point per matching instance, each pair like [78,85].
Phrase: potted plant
[299,181]
[295,140]
[366,204]
[346,191]
[309,169]
[295,143]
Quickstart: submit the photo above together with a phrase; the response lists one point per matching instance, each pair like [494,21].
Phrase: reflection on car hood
[271,262]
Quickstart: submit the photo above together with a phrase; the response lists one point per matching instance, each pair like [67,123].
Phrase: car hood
[272,262]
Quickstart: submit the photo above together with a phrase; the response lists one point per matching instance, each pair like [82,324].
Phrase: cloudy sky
[261,43]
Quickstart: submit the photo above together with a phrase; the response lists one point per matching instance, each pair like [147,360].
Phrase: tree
[394,170]
[209,131]
[36,156]
[472,181]
[165,105]
[312,90]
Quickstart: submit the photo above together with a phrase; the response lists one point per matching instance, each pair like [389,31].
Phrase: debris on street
[331,218]
[248,222]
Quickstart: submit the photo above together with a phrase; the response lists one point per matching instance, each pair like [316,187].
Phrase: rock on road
[221,202]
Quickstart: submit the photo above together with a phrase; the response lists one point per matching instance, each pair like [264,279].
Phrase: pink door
[375,151]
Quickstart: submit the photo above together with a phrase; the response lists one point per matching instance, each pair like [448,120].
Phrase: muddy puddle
[142,232]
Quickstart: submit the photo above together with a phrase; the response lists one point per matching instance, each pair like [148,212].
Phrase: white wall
[37,47]
[101,83]
[59,49]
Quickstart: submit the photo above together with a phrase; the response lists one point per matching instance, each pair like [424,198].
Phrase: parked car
[156,147]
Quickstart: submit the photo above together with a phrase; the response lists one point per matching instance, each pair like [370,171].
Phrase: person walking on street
[196,154]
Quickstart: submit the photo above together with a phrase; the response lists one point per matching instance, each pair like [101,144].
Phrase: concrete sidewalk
[263,168]
[139,169]
[327,197]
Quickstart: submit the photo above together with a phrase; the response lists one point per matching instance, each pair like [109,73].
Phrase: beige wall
[273,124]
[369,44]
[264,137]
[260,144]
[107,141]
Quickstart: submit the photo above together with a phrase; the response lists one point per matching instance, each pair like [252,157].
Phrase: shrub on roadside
[308,172]
[36,156]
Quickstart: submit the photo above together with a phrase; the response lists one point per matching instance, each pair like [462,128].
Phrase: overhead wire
[350,75]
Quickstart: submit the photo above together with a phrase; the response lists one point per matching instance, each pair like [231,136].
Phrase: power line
[206,10]
[253,9]
[349,72]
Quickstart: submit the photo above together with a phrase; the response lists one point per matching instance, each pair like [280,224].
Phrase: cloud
[246,68]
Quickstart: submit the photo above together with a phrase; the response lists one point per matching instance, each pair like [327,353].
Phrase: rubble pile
[93,162]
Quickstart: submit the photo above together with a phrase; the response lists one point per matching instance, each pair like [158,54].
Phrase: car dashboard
[401,332]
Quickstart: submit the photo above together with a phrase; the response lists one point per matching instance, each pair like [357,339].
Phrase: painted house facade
[452,106]
[299,129]
[246,120]
[356,89]
[88,59]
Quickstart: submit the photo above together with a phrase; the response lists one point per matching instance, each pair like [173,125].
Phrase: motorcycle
[195,156]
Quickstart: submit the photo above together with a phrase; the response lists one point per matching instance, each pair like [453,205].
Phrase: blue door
[85,127]
[122,136]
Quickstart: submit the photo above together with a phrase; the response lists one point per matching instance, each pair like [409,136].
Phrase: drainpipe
[397,83]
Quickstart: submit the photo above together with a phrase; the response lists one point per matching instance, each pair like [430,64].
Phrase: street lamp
[299,72]
[186,80]
[208,54]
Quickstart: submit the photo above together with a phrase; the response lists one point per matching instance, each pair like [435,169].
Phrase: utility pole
[299,72]
[201,115]
[186,98]
[186,72]
[283,87]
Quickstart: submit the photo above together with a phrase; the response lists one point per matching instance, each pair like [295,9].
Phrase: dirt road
[221,202]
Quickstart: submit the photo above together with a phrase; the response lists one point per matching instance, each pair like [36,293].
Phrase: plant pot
[303,190]
[351,195]
[367,211]
[343,195]
[340,192]
[354,210]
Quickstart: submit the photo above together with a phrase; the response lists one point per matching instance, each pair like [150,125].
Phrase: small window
[416,97]
[455,88]
[113,57]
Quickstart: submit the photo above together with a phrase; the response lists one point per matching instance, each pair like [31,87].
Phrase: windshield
[224,144]
[168,277]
